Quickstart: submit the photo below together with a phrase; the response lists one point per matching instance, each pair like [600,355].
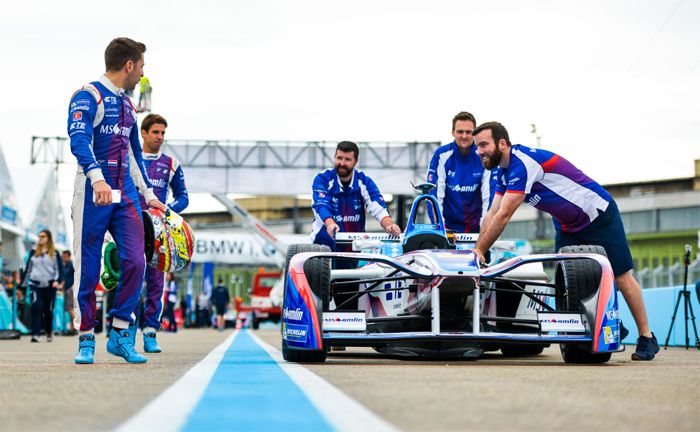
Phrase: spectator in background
[171,294]
[203,310]
[67,286]
[43,275]
[220,299]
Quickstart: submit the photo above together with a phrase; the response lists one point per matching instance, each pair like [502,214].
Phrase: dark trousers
[170,314]
[43,300]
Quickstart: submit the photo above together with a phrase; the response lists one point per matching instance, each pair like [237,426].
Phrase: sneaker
[623,332]
[86,349]
[49,338]
[646,348]
[133,329]
[35,339]
[120,344]
[150,344]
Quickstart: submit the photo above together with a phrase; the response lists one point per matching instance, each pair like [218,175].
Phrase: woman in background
[43,276]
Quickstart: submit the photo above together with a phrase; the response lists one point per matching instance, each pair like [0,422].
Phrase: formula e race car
[423,294]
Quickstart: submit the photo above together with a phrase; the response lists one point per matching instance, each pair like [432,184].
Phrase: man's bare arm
[496,223]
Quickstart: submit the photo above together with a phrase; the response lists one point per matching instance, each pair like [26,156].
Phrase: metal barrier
[665,276]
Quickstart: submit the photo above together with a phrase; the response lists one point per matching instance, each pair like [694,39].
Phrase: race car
[423,294]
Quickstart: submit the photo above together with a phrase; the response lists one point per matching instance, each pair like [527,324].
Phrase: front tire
[318,273]
[580,279]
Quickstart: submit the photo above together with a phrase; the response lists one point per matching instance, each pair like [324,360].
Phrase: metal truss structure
[273,167]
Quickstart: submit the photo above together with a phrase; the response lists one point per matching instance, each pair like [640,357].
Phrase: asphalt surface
[41,389]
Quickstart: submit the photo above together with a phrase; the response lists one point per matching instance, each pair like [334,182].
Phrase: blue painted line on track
[250,392]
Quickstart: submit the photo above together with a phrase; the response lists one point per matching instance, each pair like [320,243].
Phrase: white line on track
[179,399]
[342,412]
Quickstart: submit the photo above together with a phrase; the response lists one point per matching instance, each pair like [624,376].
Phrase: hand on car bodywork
[480,258]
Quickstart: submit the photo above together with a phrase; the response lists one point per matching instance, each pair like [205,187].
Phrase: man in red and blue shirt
[583,212]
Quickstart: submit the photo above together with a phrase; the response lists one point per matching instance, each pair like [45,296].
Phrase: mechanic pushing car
[165,172]
[464,188]
[583,212]
[340,197]
[104,139]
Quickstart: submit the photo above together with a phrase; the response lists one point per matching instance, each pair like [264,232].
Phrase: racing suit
[108,149]
[464,188]
[163,171]
[344,204]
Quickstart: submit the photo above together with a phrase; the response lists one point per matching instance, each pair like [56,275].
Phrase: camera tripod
[688,306]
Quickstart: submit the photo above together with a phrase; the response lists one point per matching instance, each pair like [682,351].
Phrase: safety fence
[665,276]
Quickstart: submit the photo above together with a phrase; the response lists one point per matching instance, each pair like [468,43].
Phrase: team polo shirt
[553,185]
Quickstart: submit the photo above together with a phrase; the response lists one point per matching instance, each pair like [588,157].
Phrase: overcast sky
[613,86]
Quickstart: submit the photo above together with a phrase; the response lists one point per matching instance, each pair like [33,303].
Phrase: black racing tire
[318,273]
[302,356]
[522,350]
[580,279]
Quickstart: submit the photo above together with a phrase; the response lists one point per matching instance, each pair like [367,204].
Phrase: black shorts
[606,231]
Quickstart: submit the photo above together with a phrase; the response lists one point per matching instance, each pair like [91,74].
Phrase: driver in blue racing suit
[165,172]
[104,139]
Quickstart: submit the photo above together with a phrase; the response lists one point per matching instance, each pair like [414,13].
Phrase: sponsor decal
[561,322]
[612,314]
[430,178]
[295,332]
[450,173]
[608,335]
[344,321]
[77,126]
[79,108]
[459,188]
[159,183]
[321,195]
[77,116]
[534,200]
[115,129]
[294,315]
[354,218]
[110,99]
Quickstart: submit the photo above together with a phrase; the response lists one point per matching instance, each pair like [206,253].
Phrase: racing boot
[86,349]
[121,345]
[150,344]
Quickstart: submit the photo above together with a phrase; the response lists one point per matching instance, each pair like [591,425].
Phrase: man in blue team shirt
[463,185]
[165,172]
[104,139]
[582,211]
[340,197]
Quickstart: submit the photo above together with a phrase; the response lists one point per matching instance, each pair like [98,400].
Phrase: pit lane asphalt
[41,389]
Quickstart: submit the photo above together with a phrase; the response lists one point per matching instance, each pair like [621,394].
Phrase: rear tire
[318,273]
[580,279]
